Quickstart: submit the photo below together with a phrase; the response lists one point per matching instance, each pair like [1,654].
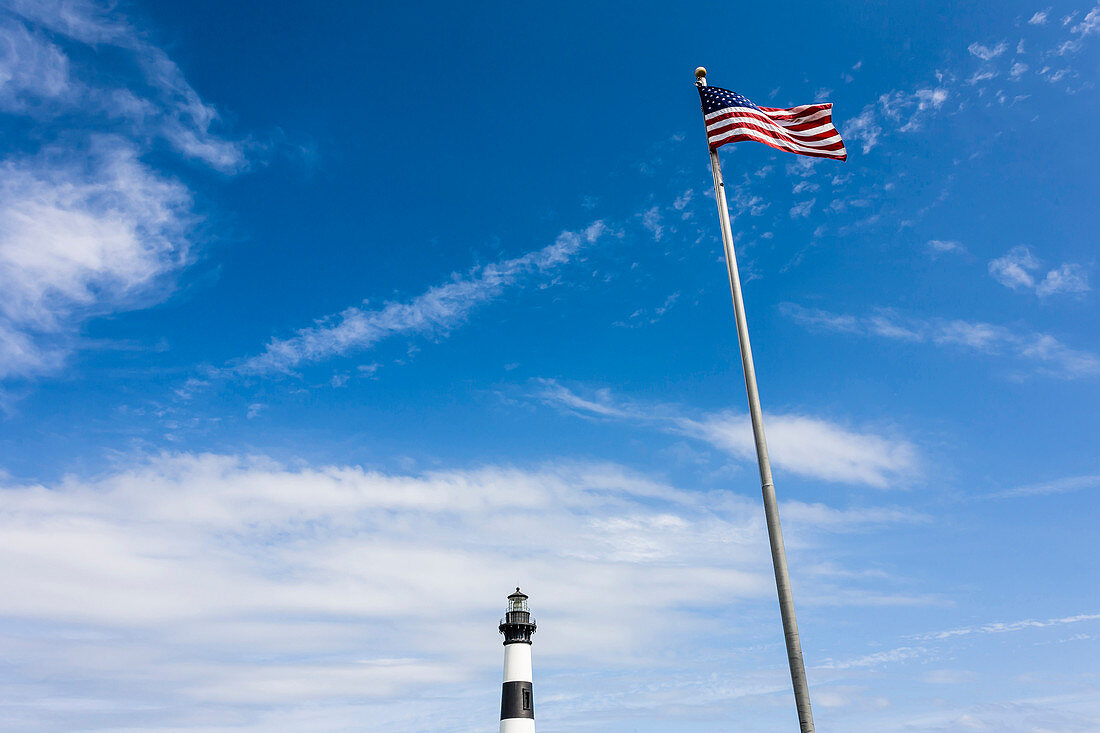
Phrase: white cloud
[910,110]
[1006,628]
[949,676]
[1014,269]
[932,640]
[814,447]
[33,71]
[1089,26]
[683,200]
[877,659]
[864,128]
[251,589]
[1056,486]
[87,227]
[1017,268]
[802,444]
[438,309]
[1069,278]
[931,97]
[651,220]
[80,237]
[981,75]
[1040,18]
[847,520]
[987,53]
[1044,352]
[802,209]
[755,205]
[803,167]
[943,246]
[41,80]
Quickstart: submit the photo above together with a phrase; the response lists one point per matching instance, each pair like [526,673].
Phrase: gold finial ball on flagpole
[700,73]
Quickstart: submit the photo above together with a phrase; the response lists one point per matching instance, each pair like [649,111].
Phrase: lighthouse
[517,705]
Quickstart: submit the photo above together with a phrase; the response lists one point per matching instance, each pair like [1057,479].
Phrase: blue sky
[323,328]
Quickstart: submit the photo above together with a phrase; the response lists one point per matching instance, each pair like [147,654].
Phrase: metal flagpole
[771,507]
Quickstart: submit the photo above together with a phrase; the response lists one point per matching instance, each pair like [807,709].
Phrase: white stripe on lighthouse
[517,663]
[517,725]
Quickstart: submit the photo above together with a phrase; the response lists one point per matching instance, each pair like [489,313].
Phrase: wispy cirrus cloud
[437,310]
[876,659]
[1045,353]
[1007,627]
[933,641]
[87,225]
[805,445]
[150,99]
[1062,485]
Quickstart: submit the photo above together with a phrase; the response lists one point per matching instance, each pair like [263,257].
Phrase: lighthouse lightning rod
[771,507]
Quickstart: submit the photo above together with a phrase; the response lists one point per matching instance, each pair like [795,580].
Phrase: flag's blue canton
[716,98]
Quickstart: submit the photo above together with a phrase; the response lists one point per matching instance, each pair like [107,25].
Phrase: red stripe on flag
[746,121]
[814,141]
[793,127]
[795,111]
[840,154]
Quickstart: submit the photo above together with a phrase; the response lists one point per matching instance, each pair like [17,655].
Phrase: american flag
[806,130]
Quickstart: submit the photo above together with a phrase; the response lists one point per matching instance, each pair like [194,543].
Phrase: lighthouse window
[526,699]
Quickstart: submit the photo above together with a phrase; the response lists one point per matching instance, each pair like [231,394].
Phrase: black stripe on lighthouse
[516,701]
